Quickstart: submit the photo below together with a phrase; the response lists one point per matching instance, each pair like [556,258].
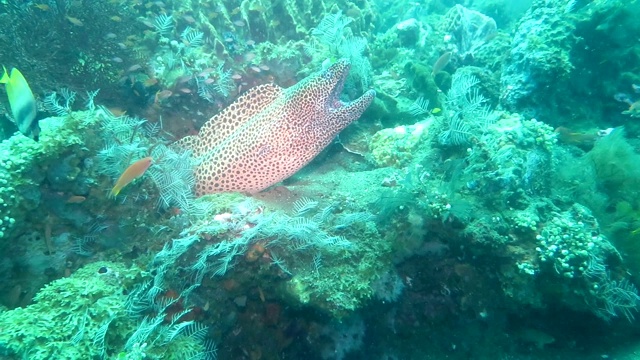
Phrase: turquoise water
[319,180]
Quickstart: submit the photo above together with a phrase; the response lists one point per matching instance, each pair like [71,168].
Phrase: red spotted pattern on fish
[270,133]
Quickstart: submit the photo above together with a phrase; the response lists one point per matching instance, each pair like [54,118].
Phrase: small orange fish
[257,7]
[117,111]
[133,172]
[148,23]
[161,95]
[634,109]
[567,136]
[150,82]
[76,199]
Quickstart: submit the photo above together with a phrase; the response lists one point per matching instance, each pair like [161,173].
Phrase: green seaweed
[615,163]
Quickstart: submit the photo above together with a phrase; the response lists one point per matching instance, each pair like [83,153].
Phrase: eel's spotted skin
[269,133]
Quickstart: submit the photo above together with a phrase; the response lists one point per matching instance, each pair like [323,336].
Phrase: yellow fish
[22,102]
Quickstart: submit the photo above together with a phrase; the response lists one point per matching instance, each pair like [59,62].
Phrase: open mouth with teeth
[336,76]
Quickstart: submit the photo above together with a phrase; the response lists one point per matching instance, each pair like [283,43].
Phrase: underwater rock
[23,164]
[408,32]
[469,29]
[61,310]
[397,146]
[539,61]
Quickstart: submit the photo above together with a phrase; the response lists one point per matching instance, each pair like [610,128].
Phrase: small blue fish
[22,102]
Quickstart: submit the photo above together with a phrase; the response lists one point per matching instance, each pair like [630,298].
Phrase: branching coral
[467,115]
[336,40]
[128,139]
[172,174]
[312,244]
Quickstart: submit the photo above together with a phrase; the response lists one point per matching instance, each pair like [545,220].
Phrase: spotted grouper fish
[269,133]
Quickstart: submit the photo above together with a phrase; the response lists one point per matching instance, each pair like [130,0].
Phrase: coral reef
[314,246]
[23,168]
[86,315]
[451,215]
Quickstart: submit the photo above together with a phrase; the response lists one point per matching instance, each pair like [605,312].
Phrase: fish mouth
[357,106]
[337,73]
